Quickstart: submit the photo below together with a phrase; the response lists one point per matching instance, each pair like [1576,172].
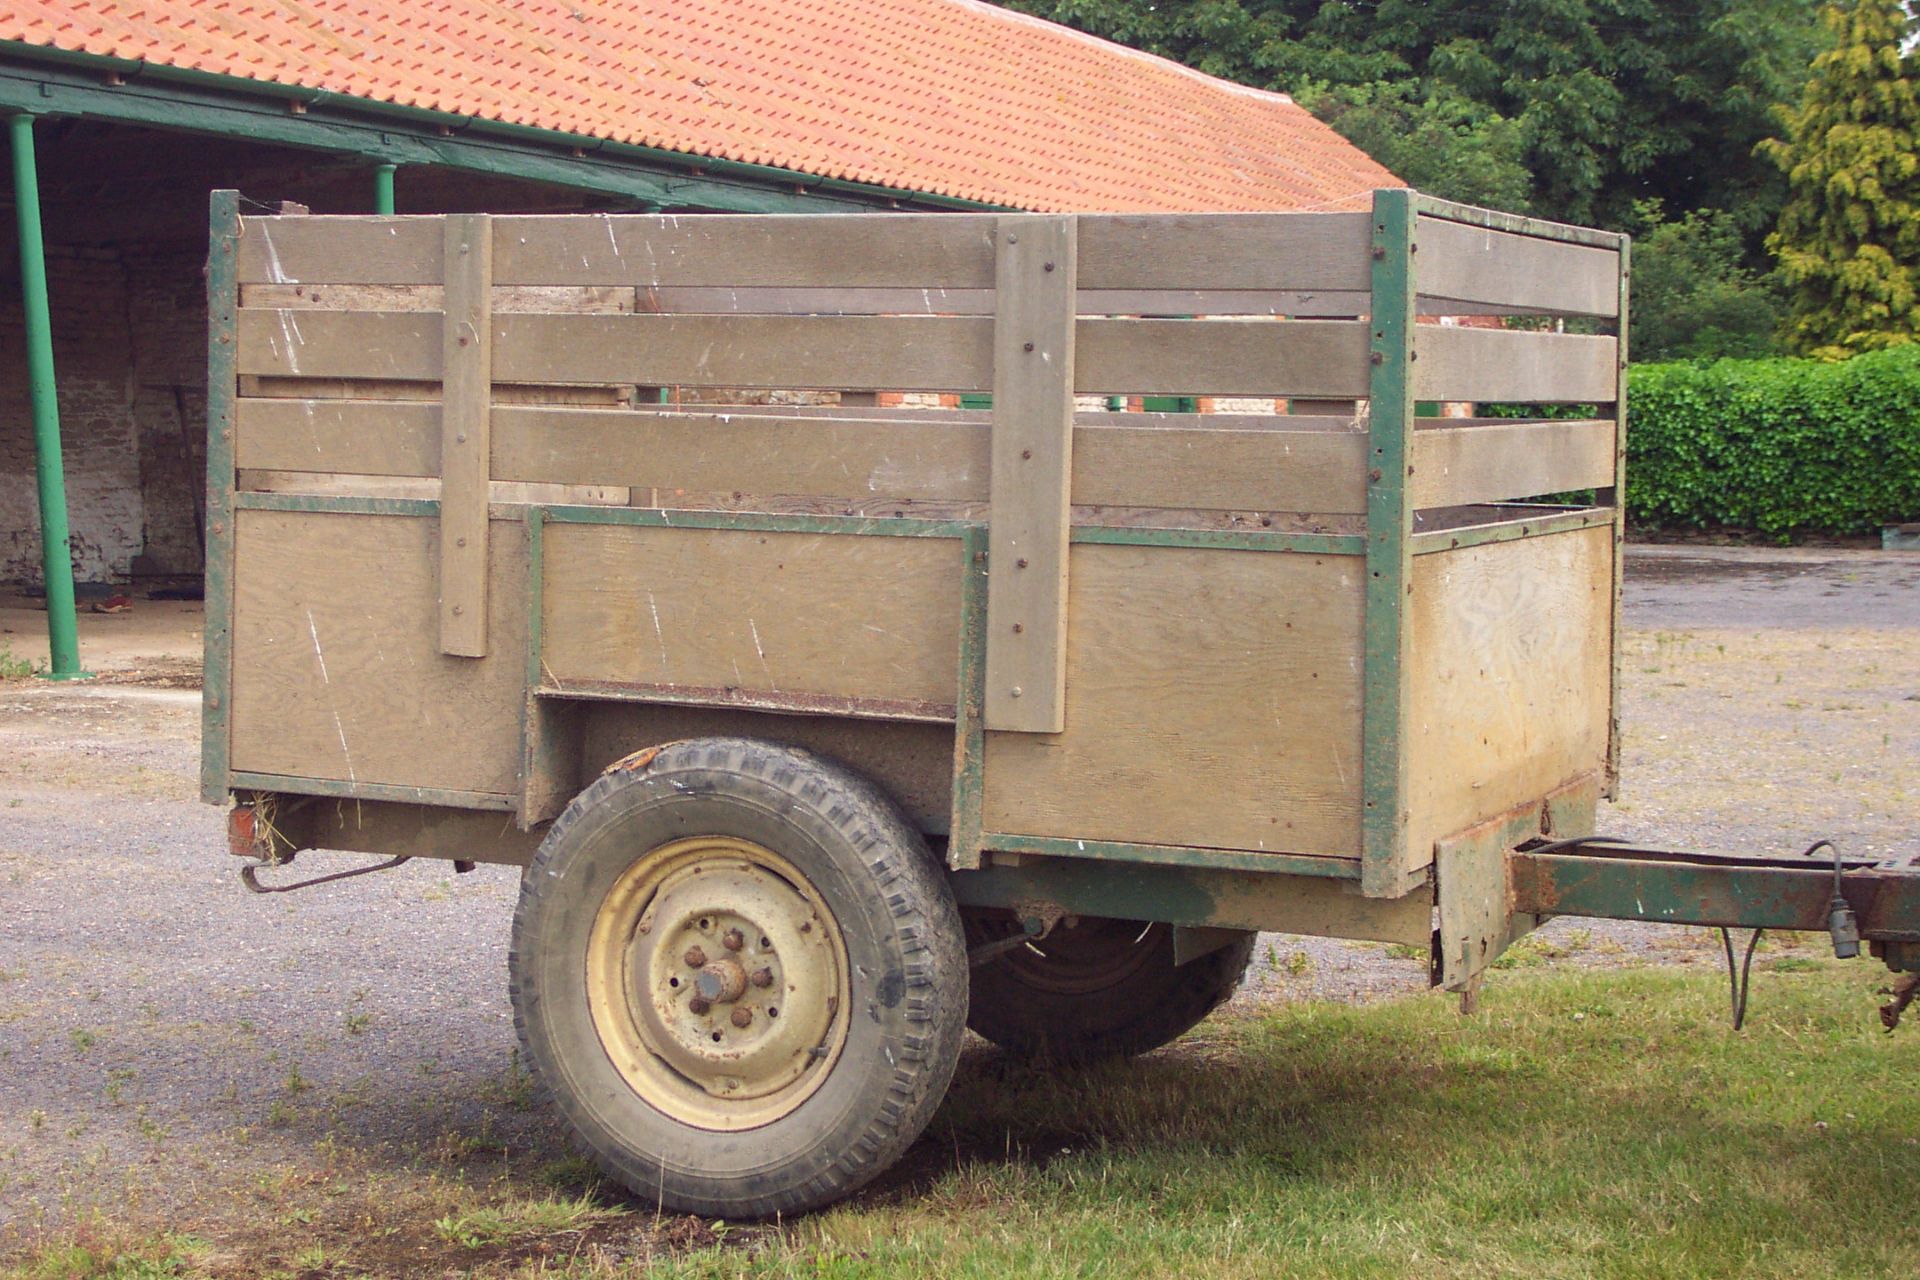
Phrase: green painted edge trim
[286,784]
[1426,544]
[1384,818]
[1330,544]
[1615,496]
[970,708]
[340,504]
[223,301]
[1519,224]
[759,522]
[864,526]
[1296,864]
[530,712]
[430,124]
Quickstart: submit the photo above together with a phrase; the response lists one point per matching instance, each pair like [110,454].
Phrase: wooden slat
[1225,251]
[1213,699]
[466,448]
[353,437]
[923,251]
[779,613]
[1457,466]
[340,250]
[1515,272]
[1178,461]
[1507,364]
[827,352]
[1322,358]
[341,344]
[1032,450]
[432,297]
[748,300]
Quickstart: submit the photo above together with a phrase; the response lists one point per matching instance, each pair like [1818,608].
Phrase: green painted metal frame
[1384,862]
[339,504]
[50,81]
[1298,864]
[1615,496]
[383,188]
[223,303]
[50,480]
[964,840]
[1513,529]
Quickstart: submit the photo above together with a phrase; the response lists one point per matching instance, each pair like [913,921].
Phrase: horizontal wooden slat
[1205,466]
[1457,466]
[1322,358]
[1225,251]
[918,250]
[1509,364]
[341,344]
[339,250]
[1520,273]
[846,352]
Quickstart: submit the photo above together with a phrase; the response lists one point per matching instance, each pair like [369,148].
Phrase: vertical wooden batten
[1032,465]
[465,435]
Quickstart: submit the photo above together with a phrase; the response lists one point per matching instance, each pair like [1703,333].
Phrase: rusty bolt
[697,1005]
[806,926]
[695,957]
[1049,266]
[742,1016]
[1026,346]
[1020,563]
[1026,453]
[732,941]
[1018,628]
[762,977]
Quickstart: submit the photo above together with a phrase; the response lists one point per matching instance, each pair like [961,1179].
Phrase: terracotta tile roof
[953,97]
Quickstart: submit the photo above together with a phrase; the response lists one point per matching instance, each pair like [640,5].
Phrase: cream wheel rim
[717,982]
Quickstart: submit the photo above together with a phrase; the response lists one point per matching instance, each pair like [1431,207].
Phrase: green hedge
[1778,446]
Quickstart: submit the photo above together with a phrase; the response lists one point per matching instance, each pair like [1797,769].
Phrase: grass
[1585,1123]
[17,668]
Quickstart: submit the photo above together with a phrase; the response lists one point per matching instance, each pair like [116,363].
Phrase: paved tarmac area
[168,1040]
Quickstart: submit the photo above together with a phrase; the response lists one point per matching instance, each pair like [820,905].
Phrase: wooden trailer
[799,707]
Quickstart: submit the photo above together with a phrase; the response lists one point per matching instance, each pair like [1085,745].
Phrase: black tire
[1096,989]
[868,876]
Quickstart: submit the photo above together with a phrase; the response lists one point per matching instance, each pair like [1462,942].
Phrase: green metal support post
[56,556]
[383,188]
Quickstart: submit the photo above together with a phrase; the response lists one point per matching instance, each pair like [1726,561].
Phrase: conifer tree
[1848,239]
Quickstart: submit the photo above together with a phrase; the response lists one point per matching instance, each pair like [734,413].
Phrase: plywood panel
[1213,698]
[337,668]
[1515,272]
[787,613]
[1458,466]
[1508,676]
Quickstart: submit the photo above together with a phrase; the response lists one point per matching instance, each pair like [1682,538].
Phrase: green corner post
[56,555]
[1383,823]
[383,187]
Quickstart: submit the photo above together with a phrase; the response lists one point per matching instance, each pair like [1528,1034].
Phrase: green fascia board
[37,79]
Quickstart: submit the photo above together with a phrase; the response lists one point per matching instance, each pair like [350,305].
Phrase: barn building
[124,114]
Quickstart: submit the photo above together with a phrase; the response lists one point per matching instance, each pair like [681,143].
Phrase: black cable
[1741,983]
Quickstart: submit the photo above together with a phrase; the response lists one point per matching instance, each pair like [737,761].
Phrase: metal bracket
[251,880]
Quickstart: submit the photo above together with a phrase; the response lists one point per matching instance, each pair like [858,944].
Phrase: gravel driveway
[166,1039]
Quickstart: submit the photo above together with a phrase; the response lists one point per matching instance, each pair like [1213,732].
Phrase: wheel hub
[717,981]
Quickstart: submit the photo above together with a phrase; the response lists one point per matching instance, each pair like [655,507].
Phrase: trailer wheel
[740,974]
[1094,989]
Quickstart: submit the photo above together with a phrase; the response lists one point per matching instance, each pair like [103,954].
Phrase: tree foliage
[1849,234]
[1694,296]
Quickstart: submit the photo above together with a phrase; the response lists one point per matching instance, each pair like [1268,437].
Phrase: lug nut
[742,1016]
[733,941]
[697,1006]
[695,957]
[762,977]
